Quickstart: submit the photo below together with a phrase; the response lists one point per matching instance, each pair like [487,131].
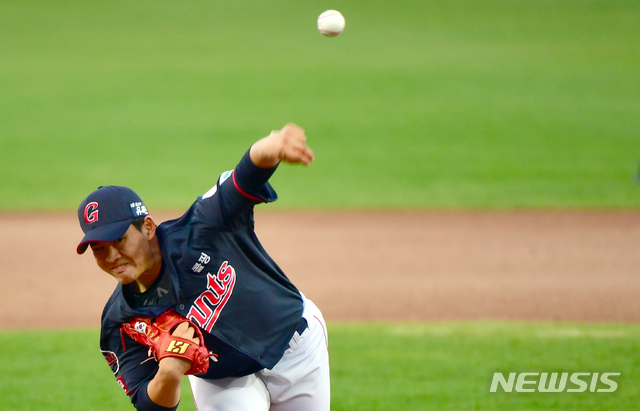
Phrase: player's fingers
[194,336]
[186,331]
[191,334]
[293,138]
[293,147]
[305,156]
[293,135]
[301,158]
[308,155]
[181,330]
[292,128]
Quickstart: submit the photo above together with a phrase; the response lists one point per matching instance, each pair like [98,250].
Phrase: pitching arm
[288,144]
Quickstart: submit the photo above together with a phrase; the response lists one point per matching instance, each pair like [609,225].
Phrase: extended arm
[230,203]
[288,144]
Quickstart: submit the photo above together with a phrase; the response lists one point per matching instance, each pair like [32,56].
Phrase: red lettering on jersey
[122,384]
[206,309]
[226,274]
[91,213]
[211,296]
[215,285]
[199,312]
[111,358]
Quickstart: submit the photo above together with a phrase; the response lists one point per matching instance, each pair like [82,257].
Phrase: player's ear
[149,227]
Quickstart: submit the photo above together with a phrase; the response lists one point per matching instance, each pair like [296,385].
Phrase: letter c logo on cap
[91,212]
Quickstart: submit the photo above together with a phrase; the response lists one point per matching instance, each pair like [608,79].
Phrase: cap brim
[106,232]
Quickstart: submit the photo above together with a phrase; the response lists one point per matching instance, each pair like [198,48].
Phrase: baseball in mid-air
[331,23]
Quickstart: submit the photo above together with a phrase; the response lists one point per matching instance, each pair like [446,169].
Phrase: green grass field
[375,367]
[439,104]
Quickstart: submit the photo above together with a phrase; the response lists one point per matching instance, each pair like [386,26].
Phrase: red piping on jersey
[122,338]
[233,175]
[326,340]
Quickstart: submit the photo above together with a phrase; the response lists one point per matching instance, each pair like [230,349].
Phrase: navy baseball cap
[107,214]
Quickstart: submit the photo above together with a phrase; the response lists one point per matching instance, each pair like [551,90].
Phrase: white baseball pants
[300,380]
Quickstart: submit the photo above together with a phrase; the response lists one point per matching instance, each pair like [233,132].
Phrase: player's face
[130,258]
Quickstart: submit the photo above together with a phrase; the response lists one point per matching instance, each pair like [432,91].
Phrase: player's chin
[123,277]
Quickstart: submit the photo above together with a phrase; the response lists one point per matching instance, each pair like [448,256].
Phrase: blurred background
[443,104]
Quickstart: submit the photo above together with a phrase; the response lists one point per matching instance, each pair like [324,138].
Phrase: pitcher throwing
[199,295]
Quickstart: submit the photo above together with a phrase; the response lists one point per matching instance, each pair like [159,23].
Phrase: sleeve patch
[225,176]
[214,189]
[112,360]
[211,192]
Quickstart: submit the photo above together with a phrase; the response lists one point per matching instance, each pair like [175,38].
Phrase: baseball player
[199,295]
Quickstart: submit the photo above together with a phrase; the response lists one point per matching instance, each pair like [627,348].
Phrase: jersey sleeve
[144,402]
[229,204]
[251,181]
[132,367]
[129,360]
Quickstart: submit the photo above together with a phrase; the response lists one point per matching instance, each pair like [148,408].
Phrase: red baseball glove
[155,333]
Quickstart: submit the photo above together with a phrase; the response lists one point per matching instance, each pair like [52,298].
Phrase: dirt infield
[569,266]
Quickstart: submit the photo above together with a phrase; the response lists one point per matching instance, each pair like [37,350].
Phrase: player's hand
[186,331]
[288,144]
[293,145]
[180,365]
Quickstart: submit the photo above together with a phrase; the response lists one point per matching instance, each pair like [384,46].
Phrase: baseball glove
[155,333]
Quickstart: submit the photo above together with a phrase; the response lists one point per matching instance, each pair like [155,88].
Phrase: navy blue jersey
[222,279]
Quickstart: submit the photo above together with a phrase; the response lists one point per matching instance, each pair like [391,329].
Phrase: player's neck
[147,278]
[145,281]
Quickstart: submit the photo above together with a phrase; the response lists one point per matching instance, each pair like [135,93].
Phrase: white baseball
[331,23]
